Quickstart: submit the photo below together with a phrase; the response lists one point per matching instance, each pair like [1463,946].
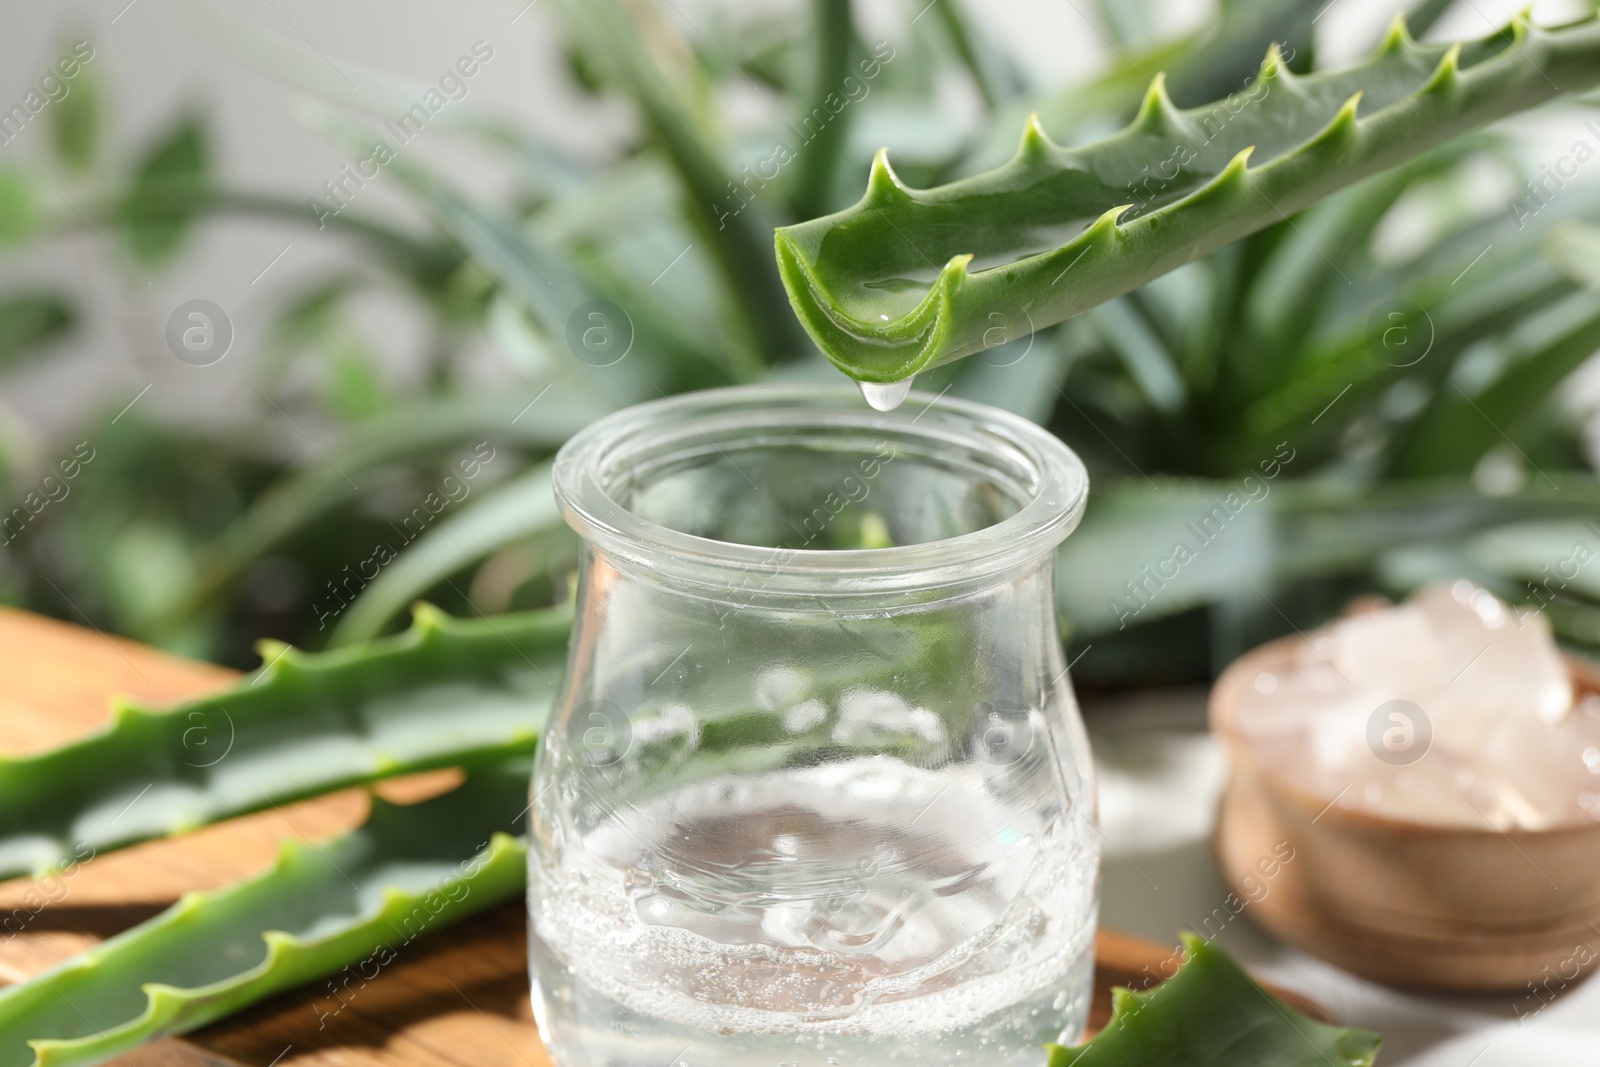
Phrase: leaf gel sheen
[816,790]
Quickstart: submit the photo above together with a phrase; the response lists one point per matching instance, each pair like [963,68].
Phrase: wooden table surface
[458,998]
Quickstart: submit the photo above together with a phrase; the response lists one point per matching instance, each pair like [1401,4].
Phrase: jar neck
[782,492]
[770,586]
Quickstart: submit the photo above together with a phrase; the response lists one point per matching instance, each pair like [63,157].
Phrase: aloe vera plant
[1210,1014]
[644,234]
[909,279]
[1177,394]
[445,692]
[1178,384]
[351,904]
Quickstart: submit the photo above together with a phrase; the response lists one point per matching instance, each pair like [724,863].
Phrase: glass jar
[816,790]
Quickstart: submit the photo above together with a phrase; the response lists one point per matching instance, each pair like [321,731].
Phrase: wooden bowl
[1401,902]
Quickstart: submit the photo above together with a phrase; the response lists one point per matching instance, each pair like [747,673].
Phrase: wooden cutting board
[459,998]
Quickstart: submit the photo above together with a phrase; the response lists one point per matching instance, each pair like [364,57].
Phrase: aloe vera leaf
[817,174]
[528,418]
[1575,249]
[908,279]
[1196,68]
[30,321]
[168,192]
[1509,568]
[539,419]
[1351,374]
[1297,280]
[1459,425]
[1526,553]
[1024,376]
[1224,58]
[1122,567]
[549,283]
[997,77]
[346,906]
[1210,1014]
[1144,355]
[736,237]
[512,512]
[443,692]
[1422,17]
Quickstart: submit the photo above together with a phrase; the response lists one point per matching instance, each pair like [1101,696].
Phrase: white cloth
[1160,776]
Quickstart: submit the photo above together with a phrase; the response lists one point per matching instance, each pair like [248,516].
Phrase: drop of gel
[885,397]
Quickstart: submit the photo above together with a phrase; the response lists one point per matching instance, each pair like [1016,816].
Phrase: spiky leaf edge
[1185,1001]
[1110,258]
[485,876]
[143,745]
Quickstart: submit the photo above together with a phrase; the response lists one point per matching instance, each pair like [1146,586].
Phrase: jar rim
[1051,501]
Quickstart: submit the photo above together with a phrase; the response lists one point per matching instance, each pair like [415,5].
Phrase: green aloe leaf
[530,420]
[76,121]
[994,73]
[442,693]
[908,279]
[1353,373]
[425,263]
[1543,557]
[1201,66]
[19,211]
[1025,375]
[537,420]
[735,237]
[1210,1014]
[1223,59]
[1424,14]
[817,169]
[1460,426]
[511,512]
[349,905]
[29,320]
[1145,552]
[168,192]
[1575,249]
[558,295]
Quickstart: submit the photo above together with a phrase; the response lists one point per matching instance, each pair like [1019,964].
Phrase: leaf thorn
[884,187]
[1157,113]
[1398,37]
[1446,74]
[274,654]
[1273,65]
[1036,145]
